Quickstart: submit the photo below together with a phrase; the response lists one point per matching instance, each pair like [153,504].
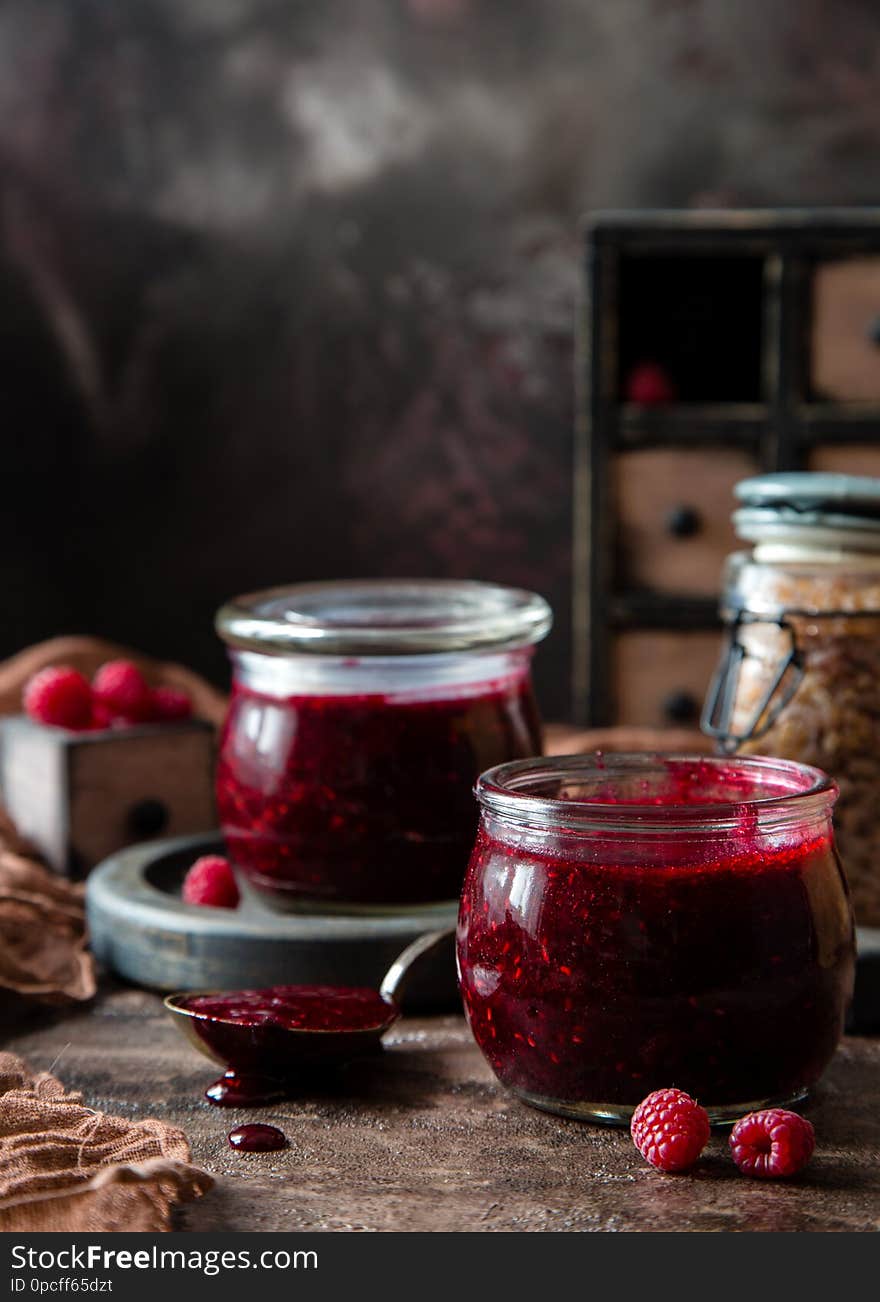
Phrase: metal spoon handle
[397,977]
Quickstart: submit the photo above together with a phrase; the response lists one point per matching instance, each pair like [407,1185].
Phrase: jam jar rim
[497,794]
[479,616]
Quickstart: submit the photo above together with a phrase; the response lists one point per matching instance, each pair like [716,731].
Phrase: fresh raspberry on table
[670,1130]
[59,696]
[120,687]
[649,385]
[772,1144]
[211,881]
[169,704]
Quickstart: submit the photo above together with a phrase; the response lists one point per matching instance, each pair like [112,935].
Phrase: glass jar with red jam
[632,922]
[361,716]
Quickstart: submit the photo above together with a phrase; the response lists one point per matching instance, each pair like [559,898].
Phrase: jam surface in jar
[597,966]
[364,798]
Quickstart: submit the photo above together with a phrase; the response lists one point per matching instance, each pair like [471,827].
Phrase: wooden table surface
[425,1139]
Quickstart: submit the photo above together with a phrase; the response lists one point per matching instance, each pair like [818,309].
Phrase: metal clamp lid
[721,698]
[819,514]
[784,682]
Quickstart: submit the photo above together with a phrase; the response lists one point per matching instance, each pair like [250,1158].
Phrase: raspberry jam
[237,1090]
[294,1008]
[269,1037]
[637,922]
[256,1138]
[345,774]
[366,799]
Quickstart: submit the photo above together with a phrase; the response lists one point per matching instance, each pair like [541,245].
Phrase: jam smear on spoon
[296,1008]
[269,1039]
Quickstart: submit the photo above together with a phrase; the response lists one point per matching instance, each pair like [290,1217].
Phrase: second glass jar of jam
[636,921]
[361,715]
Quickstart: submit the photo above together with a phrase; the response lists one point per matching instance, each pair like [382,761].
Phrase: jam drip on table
[235,1090]
[256,1138]
[364,799]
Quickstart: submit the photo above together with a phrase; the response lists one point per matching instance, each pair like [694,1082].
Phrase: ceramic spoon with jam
[267,1040]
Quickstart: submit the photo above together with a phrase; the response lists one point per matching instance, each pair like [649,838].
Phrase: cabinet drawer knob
[683,521]
[680,706]
[147,818]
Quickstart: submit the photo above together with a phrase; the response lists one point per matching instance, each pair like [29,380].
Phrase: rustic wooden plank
[425,1139]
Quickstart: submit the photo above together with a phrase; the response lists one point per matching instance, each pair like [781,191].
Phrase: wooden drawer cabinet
[660,678]
[713,346]
[845,347]
[846,459]
[673,509]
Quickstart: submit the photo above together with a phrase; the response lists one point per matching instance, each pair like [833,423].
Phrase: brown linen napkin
[65,1167]
[42,936]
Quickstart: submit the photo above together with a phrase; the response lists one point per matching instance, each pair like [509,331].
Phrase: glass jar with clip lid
[799,677]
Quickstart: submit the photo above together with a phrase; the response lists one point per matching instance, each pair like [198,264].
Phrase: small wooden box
[78,797]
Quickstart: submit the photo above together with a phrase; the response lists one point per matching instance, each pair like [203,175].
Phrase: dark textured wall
[287,286]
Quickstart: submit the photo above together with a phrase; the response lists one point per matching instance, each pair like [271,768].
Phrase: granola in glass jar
[800,677]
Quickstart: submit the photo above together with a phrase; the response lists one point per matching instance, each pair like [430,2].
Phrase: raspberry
[211,881]
[169,704]
[101,717]
[649,385]
[772,1144]
[60,696]
[670,1130]
[121,688]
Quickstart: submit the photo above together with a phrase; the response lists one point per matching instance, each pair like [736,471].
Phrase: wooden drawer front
[673,512]
[847,459]
[662,678]
[846,304]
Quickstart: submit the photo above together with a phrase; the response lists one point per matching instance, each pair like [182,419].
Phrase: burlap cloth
[65,1167]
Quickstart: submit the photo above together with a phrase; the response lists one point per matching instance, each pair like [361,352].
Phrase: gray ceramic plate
[141,929]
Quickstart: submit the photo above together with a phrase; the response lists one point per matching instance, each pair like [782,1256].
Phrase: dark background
[288,285]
